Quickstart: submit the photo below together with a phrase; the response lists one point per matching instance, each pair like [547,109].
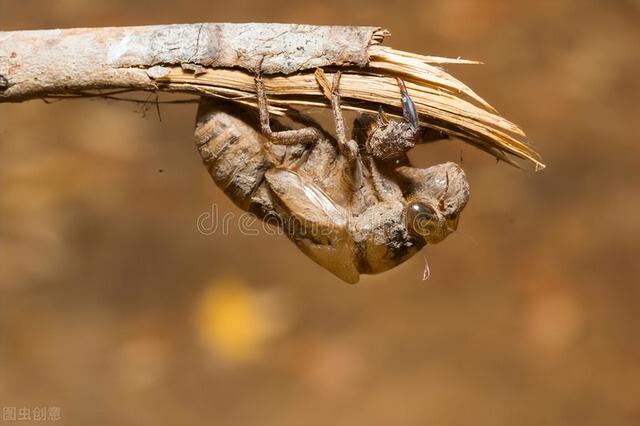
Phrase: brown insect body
[308,190]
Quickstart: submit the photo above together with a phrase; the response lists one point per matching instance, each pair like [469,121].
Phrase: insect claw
[408,107]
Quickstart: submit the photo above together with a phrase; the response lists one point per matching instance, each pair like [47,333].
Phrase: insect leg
[383,190]
[348,148]
[284,137]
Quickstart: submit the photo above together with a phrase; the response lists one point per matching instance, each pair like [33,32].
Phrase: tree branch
[220,60]
[35,63]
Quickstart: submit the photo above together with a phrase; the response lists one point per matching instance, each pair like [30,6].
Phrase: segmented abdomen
[234,154]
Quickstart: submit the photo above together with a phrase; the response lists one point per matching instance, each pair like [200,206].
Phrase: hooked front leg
[408,107]
[284,137]
[393,138]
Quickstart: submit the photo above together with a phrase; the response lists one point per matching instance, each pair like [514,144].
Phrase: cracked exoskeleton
[307,183]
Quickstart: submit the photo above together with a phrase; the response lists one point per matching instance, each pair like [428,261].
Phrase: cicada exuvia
[354,206]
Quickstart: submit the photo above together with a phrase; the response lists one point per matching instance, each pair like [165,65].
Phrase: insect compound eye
[422,219]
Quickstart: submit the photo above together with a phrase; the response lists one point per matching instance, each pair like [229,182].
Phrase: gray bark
[37,63]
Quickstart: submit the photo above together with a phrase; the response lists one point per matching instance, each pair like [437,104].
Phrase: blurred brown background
[114,308]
